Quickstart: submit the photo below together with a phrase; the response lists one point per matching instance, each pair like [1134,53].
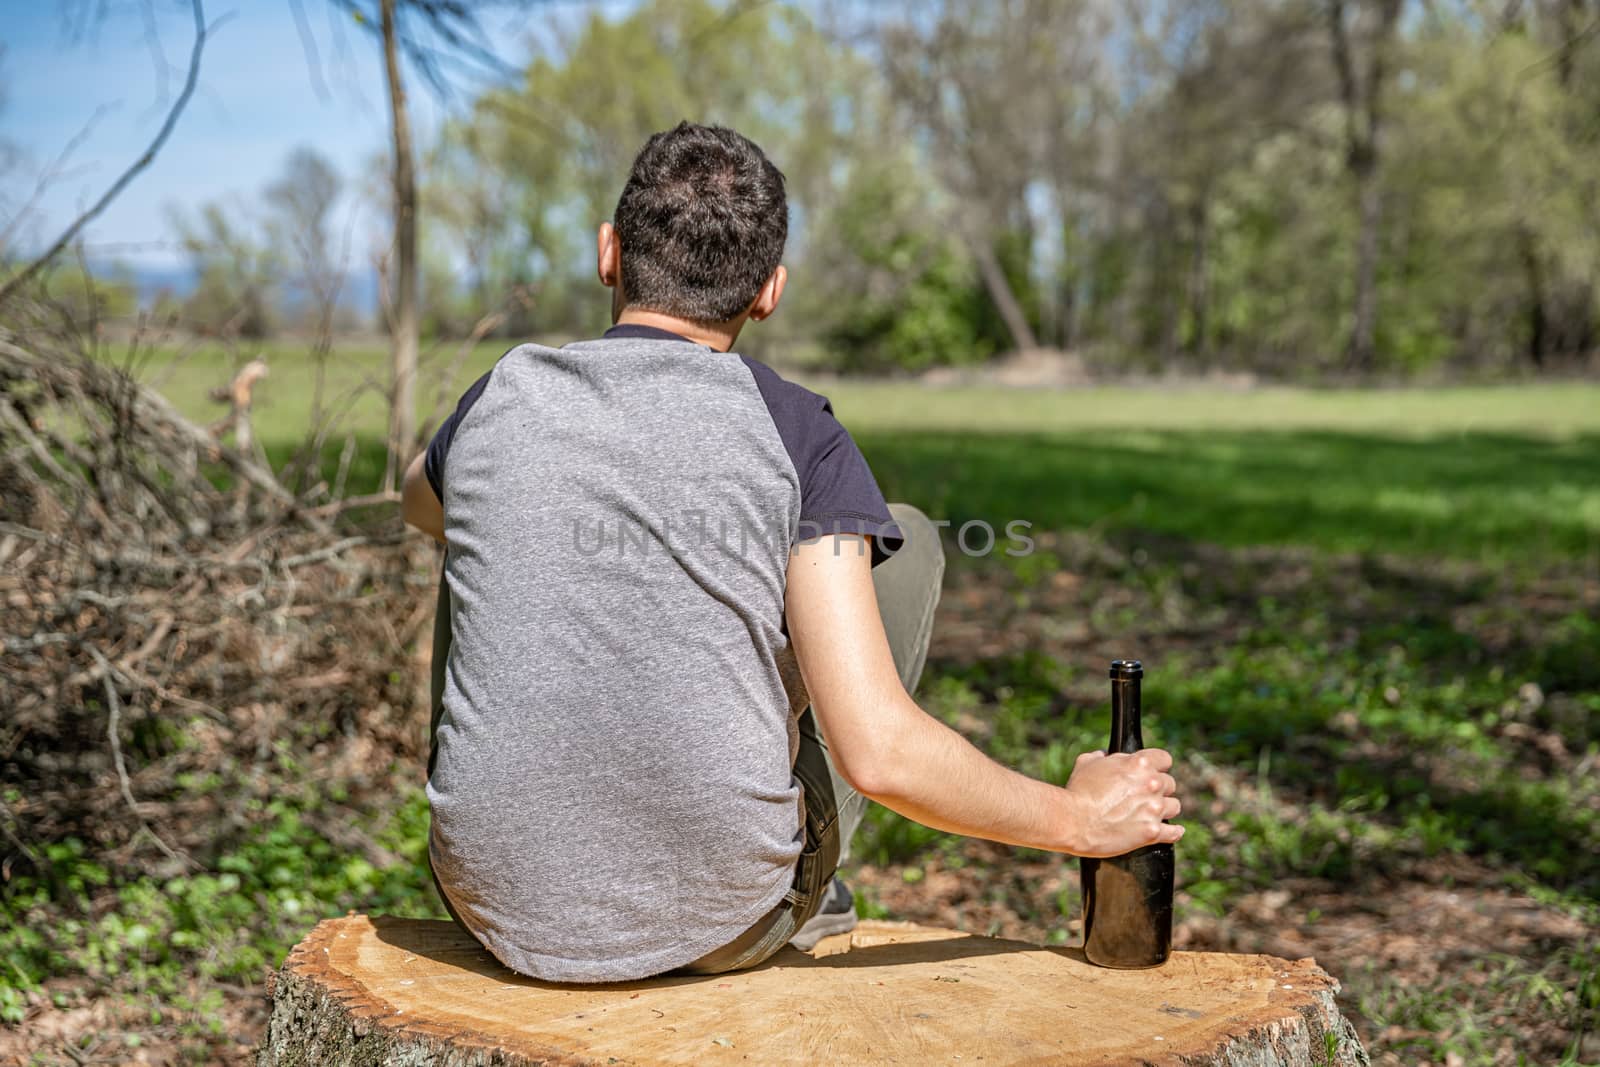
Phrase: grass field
[1372,627]
[1555,411]
[1493,474]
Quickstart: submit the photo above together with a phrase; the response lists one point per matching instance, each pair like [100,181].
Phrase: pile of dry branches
[176,624]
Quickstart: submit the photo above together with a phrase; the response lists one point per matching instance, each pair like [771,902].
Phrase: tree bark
[1569,18]
[1568,301]
[1199,272]
[1538,316]
[403,337]
[366,991]
[1000,291]
[1364,314]
[1361,93]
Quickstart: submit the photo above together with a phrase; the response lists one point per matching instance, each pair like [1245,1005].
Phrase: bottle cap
[1126,668]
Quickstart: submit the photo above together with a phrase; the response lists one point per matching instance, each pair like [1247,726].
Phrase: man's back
[613,794]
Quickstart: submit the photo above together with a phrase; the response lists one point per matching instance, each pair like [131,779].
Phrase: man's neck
[719,336]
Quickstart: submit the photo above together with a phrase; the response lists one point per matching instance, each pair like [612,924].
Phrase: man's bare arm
[893,752]
[419,506]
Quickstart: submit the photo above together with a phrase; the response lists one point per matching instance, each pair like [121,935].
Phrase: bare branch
[49,174]
[21,278]
[308,44]
[113,723]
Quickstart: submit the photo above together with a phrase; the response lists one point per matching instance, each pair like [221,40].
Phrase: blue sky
[257,99]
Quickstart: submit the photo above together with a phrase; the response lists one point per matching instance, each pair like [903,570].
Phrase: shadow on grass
[1451,708]
[354,464]
[1470,495]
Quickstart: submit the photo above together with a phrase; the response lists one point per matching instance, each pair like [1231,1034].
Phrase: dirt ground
[1424,945]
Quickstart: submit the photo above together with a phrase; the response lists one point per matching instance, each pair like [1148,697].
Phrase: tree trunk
[1572,319]
[1570,301]
[1364,314]
[1005,300]
[366,991]
[1072,267]
[1166,277]
[1361,93]
[1538,316]
[1199,272]
[403,336]
[1569,17]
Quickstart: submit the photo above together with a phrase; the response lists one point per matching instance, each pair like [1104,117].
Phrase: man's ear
[766,301]
[608,259]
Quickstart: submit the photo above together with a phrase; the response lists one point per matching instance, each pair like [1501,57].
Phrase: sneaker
[837,915]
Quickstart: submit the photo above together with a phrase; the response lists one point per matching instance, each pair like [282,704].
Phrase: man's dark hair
[702,223]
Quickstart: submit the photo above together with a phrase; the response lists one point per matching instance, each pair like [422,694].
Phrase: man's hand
[418,504]
[1121,801]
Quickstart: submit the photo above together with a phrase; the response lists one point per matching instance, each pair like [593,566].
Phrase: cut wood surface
[362,990]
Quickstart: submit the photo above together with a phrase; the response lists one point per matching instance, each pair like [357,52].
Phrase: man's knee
[920,535]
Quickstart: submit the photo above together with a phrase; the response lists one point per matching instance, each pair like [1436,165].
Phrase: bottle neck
[1127,735]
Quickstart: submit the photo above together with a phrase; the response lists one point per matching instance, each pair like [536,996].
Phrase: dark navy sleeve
[838,493]
[433,461]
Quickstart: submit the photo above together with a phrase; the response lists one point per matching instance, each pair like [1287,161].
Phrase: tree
[436,37]
[1247,182]
[1489,177]
[1562,315]
[301,201]
[1361,38]
[10,157]
[554,151]
[473,216]
[979,80]
[404,339]
[1200,123]
[235,274]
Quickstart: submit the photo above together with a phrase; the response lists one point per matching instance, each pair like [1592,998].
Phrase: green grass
[1477,496]
[354,382]
[1547,411]
[164,939]
[1551,412]
[1494,474]
[1342,744]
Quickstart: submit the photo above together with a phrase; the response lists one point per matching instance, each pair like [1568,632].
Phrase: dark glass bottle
[1127,900]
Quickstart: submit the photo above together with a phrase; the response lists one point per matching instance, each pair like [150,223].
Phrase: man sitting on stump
[679,625]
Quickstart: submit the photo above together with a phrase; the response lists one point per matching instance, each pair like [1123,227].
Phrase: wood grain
[362,990]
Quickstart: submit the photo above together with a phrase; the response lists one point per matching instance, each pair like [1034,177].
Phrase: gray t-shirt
[613,796]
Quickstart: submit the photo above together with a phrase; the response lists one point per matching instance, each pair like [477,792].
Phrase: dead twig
[352,502]
[113,722]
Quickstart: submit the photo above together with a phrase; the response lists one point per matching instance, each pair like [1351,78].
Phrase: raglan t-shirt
[613,793]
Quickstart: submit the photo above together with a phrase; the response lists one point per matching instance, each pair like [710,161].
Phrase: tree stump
[362,990]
